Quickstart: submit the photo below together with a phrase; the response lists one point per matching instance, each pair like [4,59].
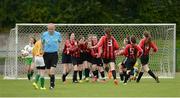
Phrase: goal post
[163,63]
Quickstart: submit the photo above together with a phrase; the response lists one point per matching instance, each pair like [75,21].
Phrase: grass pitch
[147,87]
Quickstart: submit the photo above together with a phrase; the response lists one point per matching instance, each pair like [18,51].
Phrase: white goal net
[164,35]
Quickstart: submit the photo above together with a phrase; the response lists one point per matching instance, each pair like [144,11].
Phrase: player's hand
[98,56]
[91,47]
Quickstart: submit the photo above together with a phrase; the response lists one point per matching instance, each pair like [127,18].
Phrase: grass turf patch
[147,87]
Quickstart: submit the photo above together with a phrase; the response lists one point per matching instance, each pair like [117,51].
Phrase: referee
[51,40]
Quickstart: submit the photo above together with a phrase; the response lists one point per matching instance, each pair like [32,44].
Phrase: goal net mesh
[162,62]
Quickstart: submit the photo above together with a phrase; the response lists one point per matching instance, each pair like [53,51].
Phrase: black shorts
[129,63]
[144,59]
[97,61]
[50,59]
[76,60]
[86,57]
[107,61]
[66,58]
[41,67]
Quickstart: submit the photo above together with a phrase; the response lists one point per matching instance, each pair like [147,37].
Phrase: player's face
[94,39]
[82,40]
[51,28]
[31,40]
[125,43]
[89,38]
[72,37]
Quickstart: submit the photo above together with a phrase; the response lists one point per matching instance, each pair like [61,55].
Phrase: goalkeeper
[39,62]
[27,53]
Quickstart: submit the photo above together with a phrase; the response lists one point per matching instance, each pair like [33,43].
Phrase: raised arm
[154,46]
[100,43]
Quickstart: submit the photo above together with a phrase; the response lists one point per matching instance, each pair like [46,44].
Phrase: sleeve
[100,43]
[154,46]
[141,43]
[99,51]
[126,50]
[140,51]
[26,47]
[116,46]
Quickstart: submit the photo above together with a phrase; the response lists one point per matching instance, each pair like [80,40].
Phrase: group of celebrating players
[102,54]
[93,57]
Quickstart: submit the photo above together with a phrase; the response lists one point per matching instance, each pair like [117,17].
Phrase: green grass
[147,87]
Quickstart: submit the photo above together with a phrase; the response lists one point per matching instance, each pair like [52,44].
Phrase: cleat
[51,88]
[121,81]
[124,83]
[109,75]
[75,82]
[80,81]
[137,81]
[87,79]
[42,88]
[157,80]
[116,82]
[35,86]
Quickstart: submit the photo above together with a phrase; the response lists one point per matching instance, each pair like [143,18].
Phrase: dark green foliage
[89,11]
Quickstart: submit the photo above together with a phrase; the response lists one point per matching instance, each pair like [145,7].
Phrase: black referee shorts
[50,59]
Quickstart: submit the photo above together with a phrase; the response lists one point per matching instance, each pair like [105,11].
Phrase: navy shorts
[66,58]
[144,59]
[129,63]
[50,59]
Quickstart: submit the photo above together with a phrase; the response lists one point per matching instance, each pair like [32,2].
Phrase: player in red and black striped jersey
[74,51]
[86,54]
[146,44]
[97,64]
[66,57]
[131,52]
[109,46]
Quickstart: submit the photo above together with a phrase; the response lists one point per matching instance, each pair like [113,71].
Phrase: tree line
[88,11]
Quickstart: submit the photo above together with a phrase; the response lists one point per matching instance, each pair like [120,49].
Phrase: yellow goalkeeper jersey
[37,50]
